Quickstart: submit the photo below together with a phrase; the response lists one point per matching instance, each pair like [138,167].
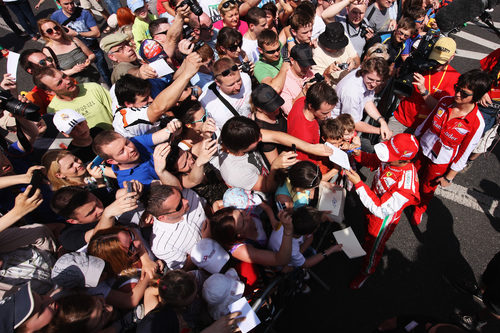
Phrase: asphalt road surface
[457,238]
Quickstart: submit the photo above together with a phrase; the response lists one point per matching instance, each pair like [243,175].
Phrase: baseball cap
[402,147]
[16,309]
[77,269]
[266,98]
[135,4]
[220,290]
[209,255]
[66,119]
[443,50]
[150,50]
[112,40]
[302,53]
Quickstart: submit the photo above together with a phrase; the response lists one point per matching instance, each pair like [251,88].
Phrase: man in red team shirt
[438,83]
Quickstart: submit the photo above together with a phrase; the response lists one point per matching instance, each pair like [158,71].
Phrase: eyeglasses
[273,51]
[179,206]
[121,47]
[50,31]
[44,62]
[235,47]
[402,34]
[372,80]
[462,92]
[315,177]
[131,248]
[161,33]
[228,3]
[226,72]
[201,120]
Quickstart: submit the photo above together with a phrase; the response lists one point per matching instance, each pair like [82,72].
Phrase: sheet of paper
[251,319]
[161,67]
[350,243]
[12,61]
[330,200]
[339,157]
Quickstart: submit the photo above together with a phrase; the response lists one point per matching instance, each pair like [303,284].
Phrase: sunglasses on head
[50,31]
[315,177]
[226,72]
[226,4]
[273,51]
[235,47]
[462,92]
[179,206]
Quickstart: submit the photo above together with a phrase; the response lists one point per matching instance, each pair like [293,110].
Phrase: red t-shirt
[300,127]
[159,6]
[487,64]
[412,110]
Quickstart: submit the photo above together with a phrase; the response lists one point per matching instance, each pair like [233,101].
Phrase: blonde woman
[71,55]
[229,11]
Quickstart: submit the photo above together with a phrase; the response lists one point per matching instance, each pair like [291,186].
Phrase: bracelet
[378,119]
[324,254]
[449,181]
[290,40]
[424,93]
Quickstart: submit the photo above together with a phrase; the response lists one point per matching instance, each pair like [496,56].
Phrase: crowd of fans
[151,195]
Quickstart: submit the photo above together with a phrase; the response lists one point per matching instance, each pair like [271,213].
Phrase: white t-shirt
[318,27]
[242,171]
[353,96]
[297,259]
[172,242]
[131,122]
[240,102]
[250,48]
[210,8]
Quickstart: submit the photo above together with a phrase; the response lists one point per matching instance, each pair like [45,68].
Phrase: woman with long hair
[299,186]
[71,55]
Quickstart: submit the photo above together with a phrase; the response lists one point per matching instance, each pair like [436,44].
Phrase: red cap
[402,147]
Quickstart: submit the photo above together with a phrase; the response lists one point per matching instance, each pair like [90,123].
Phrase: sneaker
[416,217]
[358,281]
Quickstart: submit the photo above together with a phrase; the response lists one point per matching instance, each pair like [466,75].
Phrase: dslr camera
[11,104]
[193,5]
[363,29]
[317,78]
[245,67]
[343,66]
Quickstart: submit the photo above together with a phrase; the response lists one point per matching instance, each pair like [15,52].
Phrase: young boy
[305,220]
[395,187]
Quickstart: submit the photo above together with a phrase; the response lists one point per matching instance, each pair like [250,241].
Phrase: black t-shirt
[279,126]
[72,238]
[86,154]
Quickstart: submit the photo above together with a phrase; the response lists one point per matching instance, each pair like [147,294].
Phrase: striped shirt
[172,242]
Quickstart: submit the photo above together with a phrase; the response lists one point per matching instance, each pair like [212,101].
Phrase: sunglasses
[226,72]
[131,248]
[161,32]
[235,47]
[462,92]
[50,31]
[44,62]
[273,51]
[228,3]
[315,177]
[179,206]
[202,119]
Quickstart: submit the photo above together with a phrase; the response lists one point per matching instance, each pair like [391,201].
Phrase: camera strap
[53,55]
[213,87]
[76,14]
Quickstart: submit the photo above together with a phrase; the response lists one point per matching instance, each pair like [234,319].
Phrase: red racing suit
[445,144]
[393,189]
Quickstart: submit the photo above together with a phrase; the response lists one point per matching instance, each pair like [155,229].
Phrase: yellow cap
[443,50]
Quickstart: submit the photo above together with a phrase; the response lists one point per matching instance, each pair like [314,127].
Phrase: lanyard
[440,81]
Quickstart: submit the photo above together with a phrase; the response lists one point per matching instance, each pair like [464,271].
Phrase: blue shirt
[144,172]
[83,23]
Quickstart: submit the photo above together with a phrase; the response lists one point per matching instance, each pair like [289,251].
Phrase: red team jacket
[393,189]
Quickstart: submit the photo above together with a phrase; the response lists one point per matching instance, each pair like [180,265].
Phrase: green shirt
[93,102]
[140,30]
[263,69]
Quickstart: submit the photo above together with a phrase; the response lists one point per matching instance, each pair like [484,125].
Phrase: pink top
[242,26]
[291,89]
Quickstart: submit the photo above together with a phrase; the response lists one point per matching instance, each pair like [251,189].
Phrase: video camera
[13,105]
[193,5]
[417,62]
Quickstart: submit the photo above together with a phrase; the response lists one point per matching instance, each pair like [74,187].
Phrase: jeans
[112,5]
[102,66]
[4,12]
[25,16]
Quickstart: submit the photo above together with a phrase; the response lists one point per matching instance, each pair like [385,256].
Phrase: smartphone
[214,136]
[280,206]
[130,187]
[97,161]
[36,181]
[294,148]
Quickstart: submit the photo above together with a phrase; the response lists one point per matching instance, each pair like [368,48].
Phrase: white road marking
[470,198]
[477,40]
[470,54]
[481,24]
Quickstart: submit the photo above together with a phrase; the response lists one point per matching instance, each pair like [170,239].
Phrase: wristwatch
[449,181]
[424,93]
[324,254]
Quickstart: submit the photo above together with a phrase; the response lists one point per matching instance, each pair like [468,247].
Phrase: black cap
[16,309]
[333,37]
[303,54]
[266,98]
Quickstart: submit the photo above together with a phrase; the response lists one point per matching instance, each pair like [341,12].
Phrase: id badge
[437,148]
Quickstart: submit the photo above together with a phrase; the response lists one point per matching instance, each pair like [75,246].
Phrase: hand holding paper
[251,319]
[350,243]
[339,157]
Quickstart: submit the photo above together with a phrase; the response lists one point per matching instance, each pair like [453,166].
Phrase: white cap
[207,254]
[65,120]
[77,269]
[221,290]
